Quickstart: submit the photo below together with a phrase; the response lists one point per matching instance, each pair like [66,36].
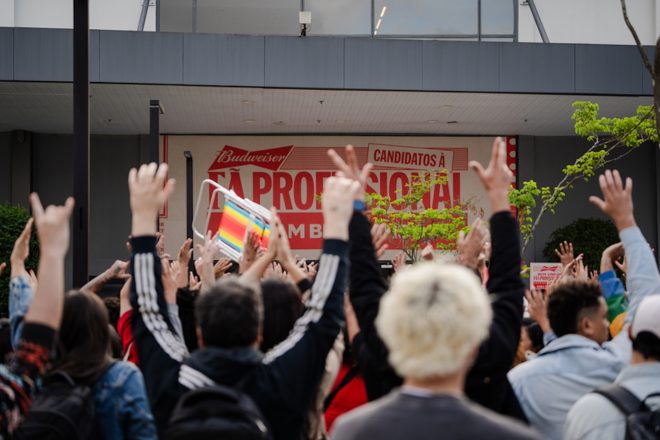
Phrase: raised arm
[610,284]
[300,359]
[642,278]
[159,350]
[497,353]
[366,287]
[43,318]
[21,290]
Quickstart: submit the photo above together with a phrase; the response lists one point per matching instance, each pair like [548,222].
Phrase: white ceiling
[123,109]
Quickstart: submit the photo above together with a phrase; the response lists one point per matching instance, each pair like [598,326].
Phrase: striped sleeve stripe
[193,379]
[145,285]
[325,279]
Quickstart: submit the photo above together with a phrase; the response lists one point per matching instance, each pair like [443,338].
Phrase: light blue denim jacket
[120,398]
[121,404]
[572,365]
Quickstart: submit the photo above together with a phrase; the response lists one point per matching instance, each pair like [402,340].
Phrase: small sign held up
[543,274]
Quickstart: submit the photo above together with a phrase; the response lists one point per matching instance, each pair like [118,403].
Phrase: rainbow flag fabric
[235,224]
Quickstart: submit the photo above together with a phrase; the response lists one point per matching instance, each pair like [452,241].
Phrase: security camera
[305,20]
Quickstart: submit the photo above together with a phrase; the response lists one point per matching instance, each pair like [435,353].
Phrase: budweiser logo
[549,268]
[231,157]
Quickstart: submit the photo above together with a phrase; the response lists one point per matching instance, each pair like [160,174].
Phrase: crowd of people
[275,348]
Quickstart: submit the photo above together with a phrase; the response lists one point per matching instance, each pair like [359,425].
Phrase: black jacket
[486,383]
[283,383]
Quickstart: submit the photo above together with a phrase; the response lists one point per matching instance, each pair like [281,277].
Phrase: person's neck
[452,384]
[636,359]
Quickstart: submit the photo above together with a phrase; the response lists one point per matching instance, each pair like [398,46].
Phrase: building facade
[411,74]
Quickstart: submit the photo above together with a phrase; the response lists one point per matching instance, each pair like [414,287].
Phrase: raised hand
[497,178]
[118,270]
[581,271]
[194,283]
[250,249]
[204,264]
[537,307]
[399,262]
[337,202]
[470,247]
[351,169]
[427,252]
[221,267]
[618,203]
[182,262]
[52,225]
[149,189]
[21,251]
[169,281]
[379,236]
[565,253]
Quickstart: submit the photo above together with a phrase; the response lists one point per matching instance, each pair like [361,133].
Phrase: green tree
[611,139]
[12,222]
[412,223]
[589,236]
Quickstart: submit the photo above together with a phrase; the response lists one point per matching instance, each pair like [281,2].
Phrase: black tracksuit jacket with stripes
[486,383]
[283,382]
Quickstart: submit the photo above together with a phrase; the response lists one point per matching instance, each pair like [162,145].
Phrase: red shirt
[352,395]
[126,335]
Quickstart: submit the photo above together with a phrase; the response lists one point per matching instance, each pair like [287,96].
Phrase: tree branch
[640,48]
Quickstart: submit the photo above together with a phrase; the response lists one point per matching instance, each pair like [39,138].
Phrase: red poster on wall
[288,173]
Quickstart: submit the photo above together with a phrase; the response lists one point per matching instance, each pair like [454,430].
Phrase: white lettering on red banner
[409,158]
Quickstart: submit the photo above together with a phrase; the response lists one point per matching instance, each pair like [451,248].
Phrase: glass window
[426,17]
[175,15]
[497,17]
[256,17]
[340,17]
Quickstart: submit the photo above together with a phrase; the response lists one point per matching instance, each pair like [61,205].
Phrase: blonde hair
[432,318]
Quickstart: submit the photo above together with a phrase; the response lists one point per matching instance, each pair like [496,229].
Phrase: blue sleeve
[139,422]
[643,278]
[610,284]
[20,298]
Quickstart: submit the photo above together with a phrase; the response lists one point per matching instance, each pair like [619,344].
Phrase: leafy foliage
[12,222]
[589,237]
[416,226]
[611,139]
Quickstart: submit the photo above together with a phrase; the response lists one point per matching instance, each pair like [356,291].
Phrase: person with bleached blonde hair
[433,320]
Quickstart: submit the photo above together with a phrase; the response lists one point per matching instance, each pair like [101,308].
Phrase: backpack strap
[650,396]
[349,376]
[622,398]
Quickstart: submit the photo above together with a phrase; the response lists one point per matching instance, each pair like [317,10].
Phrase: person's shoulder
[594,416]
[498,426]
[529,368]
[119,373]
[360,422]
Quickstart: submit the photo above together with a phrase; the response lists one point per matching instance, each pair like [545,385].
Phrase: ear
[585,327]
[200,338]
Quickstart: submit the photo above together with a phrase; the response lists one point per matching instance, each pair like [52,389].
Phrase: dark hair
[282,307]
[569,302]
[112,304]
[84,337]
[116,349]
[230,314]
[535,334]
[648,345]
[5,339]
